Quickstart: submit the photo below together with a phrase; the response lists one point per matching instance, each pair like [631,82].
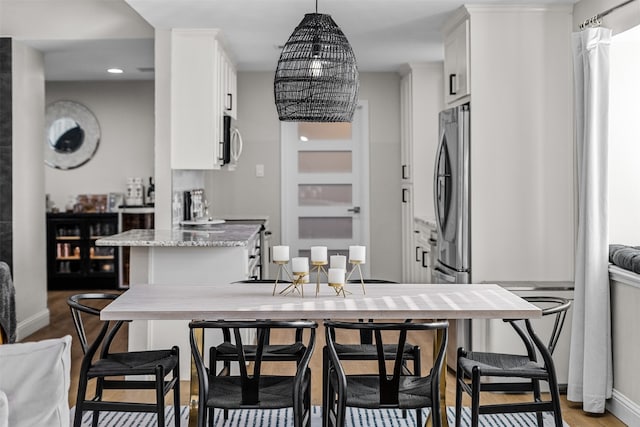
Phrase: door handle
[355,209]
[405,169]
[230,99]
[453,84]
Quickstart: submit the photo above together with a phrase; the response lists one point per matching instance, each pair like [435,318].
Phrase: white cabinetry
[424,245]
[229,86]
[175,265]
[522,168]
[420,101]
[456,61]
[203,86]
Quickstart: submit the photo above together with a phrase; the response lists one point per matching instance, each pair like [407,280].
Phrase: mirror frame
[89,124]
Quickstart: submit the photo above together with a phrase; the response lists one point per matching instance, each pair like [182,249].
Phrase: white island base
[178,266]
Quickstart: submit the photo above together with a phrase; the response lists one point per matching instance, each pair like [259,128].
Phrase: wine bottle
[151,192]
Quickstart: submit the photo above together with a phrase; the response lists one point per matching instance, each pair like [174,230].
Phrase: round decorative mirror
[72,135]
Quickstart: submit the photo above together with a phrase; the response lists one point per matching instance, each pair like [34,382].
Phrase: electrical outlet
[259,171]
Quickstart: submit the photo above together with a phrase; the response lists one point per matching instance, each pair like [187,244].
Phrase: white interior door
[325,185]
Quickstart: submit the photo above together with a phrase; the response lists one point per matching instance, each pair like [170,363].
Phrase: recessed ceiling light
[115,70]
[303,138]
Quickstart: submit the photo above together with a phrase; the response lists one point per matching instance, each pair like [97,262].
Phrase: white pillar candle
[300,265]
[336,276]
[319,254]
[357,253]
[338,261]
[281,253]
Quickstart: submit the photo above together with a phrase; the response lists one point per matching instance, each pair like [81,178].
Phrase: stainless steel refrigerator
[451,193]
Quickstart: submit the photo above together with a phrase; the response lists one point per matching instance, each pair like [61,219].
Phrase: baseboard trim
[32,324]
[624,408]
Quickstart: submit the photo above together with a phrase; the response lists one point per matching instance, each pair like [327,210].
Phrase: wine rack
[73,259]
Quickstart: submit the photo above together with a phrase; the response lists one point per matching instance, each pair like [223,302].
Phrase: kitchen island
[222,253]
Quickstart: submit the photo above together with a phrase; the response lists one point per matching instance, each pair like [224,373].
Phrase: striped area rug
[283,418]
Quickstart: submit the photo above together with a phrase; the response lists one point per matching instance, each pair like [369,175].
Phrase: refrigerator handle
[444,276]
[436,185]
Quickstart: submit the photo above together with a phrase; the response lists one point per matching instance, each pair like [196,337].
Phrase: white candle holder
[318,266]
[339,288]
[296,284]
[356,266]
[337,281]
[282,266]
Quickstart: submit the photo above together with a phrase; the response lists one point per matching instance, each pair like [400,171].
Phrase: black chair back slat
[247,384]
[389,389]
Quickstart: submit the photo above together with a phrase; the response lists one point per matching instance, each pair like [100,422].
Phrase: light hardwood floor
[61,324]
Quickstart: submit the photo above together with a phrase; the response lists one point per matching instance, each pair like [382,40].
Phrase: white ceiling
[384,34]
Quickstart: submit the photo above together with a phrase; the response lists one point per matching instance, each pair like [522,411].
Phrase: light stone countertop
[220,235]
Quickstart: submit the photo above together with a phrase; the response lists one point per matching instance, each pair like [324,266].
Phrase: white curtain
[590,373]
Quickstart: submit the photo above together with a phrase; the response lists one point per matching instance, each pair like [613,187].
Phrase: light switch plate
[259,171]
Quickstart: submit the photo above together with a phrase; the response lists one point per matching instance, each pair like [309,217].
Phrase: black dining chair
[227,351]
[251,390]
[474,369]
[365,349]
[380,390]
[292,351]
[108,368]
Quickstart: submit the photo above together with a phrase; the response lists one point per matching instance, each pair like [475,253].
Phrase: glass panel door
[325,186]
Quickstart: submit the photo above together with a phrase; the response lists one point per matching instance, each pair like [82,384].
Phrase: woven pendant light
[317,77]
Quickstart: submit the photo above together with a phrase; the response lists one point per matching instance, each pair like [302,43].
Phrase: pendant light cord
[316,6]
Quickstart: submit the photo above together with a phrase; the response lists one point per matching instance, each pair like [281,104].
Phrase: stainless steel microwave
[231,141]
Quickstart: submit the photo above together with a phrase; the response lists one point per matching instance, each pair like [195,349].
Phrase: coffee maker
[195,206]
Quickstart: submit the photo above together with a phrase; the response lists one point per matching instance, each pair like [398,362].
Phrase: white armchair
[34,379]
[4,410]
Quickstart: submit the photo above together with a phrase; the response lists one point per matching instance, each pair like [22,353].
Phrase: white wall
[240,192]
[125,112]
[162,47]
[29,261]
[522,171]
[624,134]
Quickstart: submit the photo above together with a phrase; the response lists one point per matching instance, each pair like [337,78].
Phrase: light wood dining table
[381,302]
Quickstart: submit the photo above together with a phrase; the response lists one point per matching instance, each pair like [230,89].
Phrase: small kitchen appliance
[135,192]
[231,143]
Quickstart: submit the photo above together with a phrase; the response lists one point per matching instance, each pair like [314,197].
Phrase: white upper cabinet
[420,101]
[229,86]
[456,62]
[203,89]
[406,134]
